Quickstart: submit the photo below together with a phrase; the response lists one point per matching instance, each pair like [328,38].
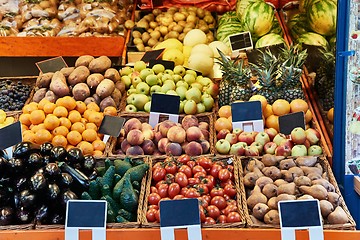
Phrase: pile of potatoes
[91,80]
[272,179]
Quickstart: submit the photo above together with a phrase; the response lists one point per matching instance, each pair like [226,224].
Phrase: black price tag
[246,111]
[51,65]
[290,121]
[166,64]
[240,41]
[185,210]
[111,125]
[86,214]
[10,135]
[152,55]
[165,104]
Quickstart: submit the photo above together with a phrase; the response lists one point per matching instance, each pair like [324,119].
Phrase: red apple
[251,151]
[270,147]
[238,149]
[254,133]
[313,136]
[222,146]
[259,146]
[237,131]
[279,138]
[283,150]
[246,137]
[222,133]
[271,132]
[231,138]
[262,138]
[287,142]
[307,144]
[298,135]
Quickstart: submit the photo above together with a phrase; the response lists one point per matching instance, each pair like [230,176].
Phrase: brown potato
[121,86]
[58,85]
[89,100]
[106,102]
[112,74]
[81,91]
[105,88]
[79,75]
[50,95]
[43,81]
[116,95]
[39,94]
[93,80]
[84,61]
[97,98]
[67,71]
[100,64]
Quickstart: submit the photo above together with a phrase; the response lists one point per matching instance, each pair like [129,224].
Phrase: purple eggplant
[3,165]
[58,153]
[38,182]
[35,161]
[66,196]
[75,156]
[42,214]
[24,216]
[16,165]
[45,149]
[65,180]
[27,199]
[21,184]
[52,171]
[53,191]
[24,149]
[6,216]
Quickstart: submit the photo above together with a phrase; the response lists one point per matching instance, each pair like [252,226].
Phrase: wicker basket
[326,168]
[21,227]
[239,200]
[144,118]
[30,80]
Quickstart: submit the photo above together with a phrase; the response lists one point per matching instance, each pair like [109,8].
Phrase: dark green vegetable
[118,187]
[105,190]
[27,199]
[136,185]
[38,182]
[127,215]
[58,153]
[53,191]
[101,171]
[6,216]
[81,180]
[45,149]
[121,219]
[68,195]
[86,196]
[117,178]
[137,173]
[128,198]
[34,161]
[75,155]
[136,161]
[121,166]
[114,205]
[108,163]
[108,177]
[110,215]
[94,190]
[24,149]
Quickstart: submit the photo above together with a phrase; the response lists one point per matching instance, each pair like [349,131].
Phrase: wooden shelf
[154,234]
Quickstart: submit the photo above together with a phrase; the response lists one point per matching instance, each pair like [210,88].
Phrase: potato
[39,94]
[67,71]
[112,74]
[105,88]
[100,64]
[121,86]
[58,85]
[50,95]
[116,95]
[84,60]
[97,98]
[94,80]
[89,100]
[79,75]
[81,91]
[106,102]
[43,81]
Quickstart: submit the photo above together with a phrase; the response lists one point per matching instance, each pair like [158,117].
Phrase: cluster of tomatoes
[210,181]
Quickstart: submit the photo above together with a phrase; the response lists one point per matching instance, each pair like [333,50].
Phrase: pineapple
[225,86]
[241,89]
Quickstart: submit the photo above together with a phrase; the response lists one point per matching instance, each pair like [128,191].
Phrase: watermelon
[258,19]
[269,39]
[322,17]
[228,17]
[298,25]
[276,28]
[241,5]
[314,39]
[225,30]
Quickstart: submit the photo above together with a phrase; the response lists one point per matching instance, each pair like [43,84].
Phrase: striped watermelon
[258,18]
[228,17]
[269,39]
[298,25]
[276,28]
[315,39]
[228,29]
[241,5]
[322,17]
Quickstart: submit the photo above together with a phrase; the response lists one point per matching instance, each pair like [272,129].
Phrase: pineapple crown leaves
[293,56]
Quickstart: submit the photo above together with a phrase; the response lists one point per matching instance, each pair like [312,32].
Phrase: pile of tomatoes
[211,181]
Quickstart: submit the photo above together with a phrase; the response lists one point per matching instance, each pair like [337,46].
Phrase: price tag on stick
[187,216]
[247,116]
[85,214]
[165,105]
[293,217]
[111,126]
[240,42]
[51,65]
[290,121]
[152,55]
[10,136]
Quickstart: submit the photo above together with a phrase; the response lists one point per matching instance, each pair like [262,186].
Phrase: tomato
[153,207]
[229,181]
[214,171]
[206,198]
[183,191]
[224,175]
[192,193]
[169,178]
[184,159]
[217,192]
[221,219]
[191,164]
[226,197]
[159,183]
[181,179]
[209,220]
[193,181]
[213,211]
[159,174]
[157,216]
[153,189]
[200,175]
[231,202]
[187,170]
[229,209]
[158,165]
[230,190]
[178,197]
[230,168]
[174,189]
[171,168]
[203,202]
[154,198]
[150,215]
[163,190]
[202,214]
[198,168]
[205,162]
[233,217]
[203,189]
[219,201]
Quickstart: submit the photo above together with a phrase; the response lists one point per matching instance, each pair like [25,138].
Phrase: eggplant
[16,165]
[27,199]
[40,171]
[47,160]
[52,171]
[6,216]
[5,197]
[65,180]
[66,196]
[4,163]
[38,182]
[3,154]
[24,216]
[74,156]
[93,175]
[89,164]
[16,200]
[80,179]
[45,149]
[58,153]
[21,184]
[34,161]
[24,149]
[57,218]
[42,214]
[53,191]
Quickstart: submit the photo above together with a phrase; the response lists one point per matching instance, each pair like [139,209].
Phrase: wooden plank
[61,46]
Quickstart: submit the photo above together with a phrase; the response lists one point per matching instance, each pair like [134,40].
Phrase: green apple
[177,78]
[155,88]
[208,102]
[131,91]
[126,80]
[181,91]
[197,85]
[130,108]
[139,65]
[167,87]
[181,107]
[158,68]
[190,107]
[189,78]
[139,100]
[205,81]
[183,84]
[200,107]
[143,88]
[166,76]
[179,70]
[147,106]
[169,71]
[169,82]
[135,81]
[126,71]
[159,75]
[193,94]
[145,72]
[192,72]
[172,92]
[130,98]
[131,87]
[151,79]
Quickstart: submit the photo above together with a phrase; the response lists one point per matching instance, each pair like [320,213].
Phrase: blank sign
[184,212]
[300,214]
[86,214]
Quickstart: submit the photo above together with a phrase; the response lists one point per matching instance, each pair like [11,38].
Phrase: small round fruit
[93,106]
[86,147]
[80,107]
[43,136]
[51,122]
[223,123]
[330,115]
[79,127]
[298,105]
[308,116]
[61,130]
[25,119]
[225,111]
[91,126]
[260,98]
[37,117]
[60,111]
[65,122]
[49,107]
[272,122]
[268,111]
[74,138]
[281,107]
[111,111]
[74,116]
[98,145]
[59,141]
[89,135]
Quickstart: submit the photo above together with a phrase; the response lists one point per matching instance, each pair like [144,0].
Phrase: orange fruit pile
[66,123]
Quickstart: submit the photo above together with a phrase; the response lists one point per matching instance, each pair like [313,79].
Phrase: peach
[135,150]
[189,121]
[162,144]
[165,126]
[131,124]
[193,134]
[135,137]
[148,147]
[125,145]
[193,149]
[173,149]
[176,134]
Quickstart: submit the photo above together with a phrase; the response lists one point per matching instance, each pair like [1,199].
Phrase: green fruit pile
[196,92]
